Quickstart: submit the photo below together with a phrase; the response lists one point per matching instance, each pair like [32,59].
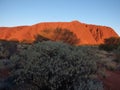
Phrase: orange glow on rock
[88,34]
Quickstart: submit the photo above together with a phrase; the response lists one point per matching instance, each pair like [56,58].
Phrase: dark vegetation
[112,45]
[7,49]
[48,65]
[40,38]
[64,35]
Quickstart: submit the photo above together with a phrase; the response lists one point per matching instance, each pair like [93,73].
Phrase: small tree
[40,38]
[117,53]
[66,36]
[110,43]
[7,48]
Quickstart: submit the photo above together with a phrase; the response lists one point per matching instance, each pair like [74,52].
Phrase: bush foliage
[110,44]
[117,53]
[62,34]
[56,66]
[7,49]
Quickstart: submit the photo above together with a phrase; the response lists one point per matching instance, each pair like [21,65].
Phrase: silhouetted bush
[66,36]
[110,44]
[62,34]
[7,48]
[117,53]
[40,38]
[56,66]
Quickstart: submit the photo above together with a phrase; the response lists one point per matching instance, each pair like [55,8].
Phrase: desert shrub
[106,47]
[112,40]
[110,44]
[1,64]
[25,86]
[110,65]
[62,34]
[7,48]
[56,66]
[40,38]
[66,36]
[117,53]
[89,85]
[5,63]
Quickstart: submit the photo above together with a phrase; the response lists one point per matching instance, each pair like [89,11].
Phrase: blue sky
[28,12]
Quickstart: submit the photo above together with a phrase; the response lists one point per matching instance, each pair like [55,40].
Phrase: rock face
[88,34]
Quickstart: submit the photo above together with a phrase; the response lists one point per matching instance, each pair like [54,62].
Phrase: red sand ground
[88,34]
[112,81]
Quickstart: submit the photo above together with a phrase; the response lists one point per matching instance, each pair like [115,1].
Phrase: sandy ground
[112,79]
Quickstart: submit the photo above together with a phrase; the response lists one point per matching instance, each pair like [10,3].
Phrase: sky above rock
[28,12]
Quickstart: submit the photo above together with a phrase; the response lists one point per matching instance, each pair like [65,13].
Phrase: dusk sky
[28,12]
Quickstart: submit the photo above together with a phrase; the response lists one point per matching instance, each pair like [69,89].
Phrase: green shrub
[117,53]
[110,65]
[62,34]
[40,38]
[7,48]
[56,66]
[110,44]
[107,47]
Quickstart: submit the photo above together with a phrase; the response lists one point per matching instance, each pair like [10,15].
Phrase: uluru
[88,34]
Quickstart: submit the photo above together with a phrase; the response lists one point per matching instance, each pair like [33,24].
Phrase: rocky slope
[88,34]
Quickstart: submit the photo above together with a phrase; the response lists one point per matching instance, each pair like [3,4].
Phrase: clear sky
[28,12]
